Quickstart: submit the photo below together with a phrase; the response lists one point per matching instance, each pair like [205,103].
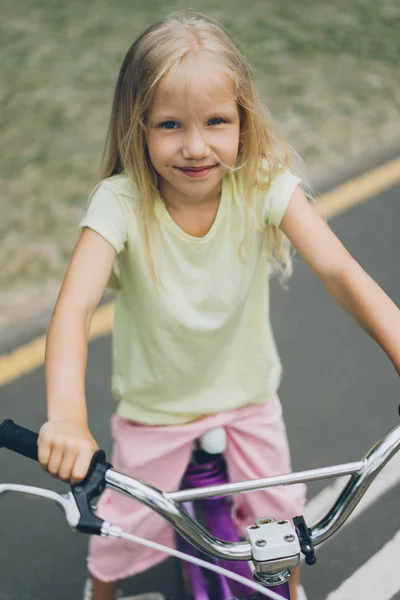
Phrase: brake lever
[76,504]
[84,492]
[66,502]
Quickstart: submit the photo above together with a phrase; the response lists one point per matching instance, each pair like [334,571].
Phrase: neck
[177,201]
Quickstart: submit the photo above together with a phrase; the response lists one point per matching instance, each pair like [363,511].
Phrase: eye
[217,121]
[169,125]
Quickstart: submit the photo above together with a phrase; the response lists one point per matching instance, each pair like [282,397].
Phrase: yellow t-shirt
[202,342]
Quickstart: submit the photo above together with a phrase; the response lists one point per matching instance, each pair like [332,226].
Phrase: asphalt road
[340,395]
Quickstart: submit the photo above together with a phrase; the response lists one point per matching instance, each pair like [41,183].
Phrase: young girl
[197,206]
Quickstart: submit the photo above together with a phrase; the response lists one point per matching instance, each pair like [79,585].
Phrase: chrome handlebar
[169,505]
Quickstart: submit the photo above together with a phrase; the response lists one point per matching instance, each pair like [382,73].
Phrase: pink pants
[256,447]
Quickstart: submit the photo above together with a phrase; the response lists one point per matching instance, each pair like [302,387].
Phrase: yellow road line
[359,190]
[31,356]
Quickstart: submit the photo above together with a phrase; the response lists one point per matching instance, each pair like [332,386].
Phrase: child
[197,206]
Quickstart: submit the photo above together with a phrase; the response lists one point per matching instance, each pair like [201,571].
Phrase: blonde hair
[158,51]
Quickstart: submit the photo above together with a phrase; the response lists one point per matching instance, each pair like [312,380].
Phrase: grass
[328,72]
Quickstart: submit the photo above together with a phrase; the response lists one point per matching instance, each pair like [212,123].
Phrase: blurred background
[327,71]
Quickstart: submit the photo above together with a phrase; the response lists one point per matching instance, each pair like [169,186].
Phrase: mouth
[197,172]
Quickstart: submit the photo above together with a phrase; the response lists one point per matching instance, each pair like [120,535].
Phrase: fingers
[81,465]
[56,456]
[64,455]
[44,448]
[66,465]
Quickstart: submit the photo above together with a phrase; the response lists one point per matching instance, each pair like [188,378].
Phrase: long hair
[157,52]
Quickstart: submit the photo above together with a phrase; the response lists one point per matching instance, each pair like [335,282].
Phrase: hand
[65,449]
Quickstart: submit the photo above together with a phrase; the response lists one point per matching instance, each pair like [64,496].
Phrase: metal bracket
[275,546]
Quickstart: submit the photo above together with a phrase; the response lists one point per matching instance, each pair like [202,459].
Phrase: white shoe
[87,590]
[301,595]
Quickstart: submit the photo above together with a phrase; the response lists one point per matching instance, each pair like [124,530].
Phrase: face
[193,134]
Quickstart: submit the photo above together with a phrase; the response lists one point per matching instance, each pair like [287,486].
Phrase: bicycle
[274,547]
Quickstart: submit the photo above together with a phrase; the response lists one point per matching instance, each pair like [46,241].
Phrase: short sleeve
[277,197]
[105,215]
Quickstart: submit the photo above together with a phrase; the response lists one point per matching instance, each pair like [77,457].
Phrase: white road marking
[379,577]
[387,478]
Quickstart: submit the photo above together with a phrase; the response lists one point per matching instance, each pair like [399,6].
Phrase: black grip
[17,438]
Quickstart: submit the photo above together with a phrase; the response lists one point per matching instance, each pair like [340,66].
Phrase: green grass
[328,72]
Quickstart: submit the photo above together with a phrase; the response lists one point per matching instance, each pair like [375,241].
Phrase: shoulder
[117,186]
[111,210]
[274,191]
[115,195]
[120,184]
[278,177]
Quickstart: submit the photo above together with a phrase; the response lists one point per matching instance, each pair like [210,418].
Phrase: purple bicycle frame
[217,519]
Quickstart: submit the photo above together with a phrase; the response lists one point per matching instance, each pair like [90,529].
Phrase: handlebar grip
[21,440]
[18,439]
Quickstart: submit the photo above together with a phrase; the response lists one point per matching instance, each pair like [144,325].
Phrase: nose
[195,146]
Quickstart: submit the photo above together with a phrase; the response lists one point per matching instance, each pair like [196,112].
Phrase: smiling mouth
[197,172]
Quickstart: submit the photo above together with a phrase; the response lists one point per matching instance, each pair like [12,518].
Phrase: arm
[348,284]
[65,443]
